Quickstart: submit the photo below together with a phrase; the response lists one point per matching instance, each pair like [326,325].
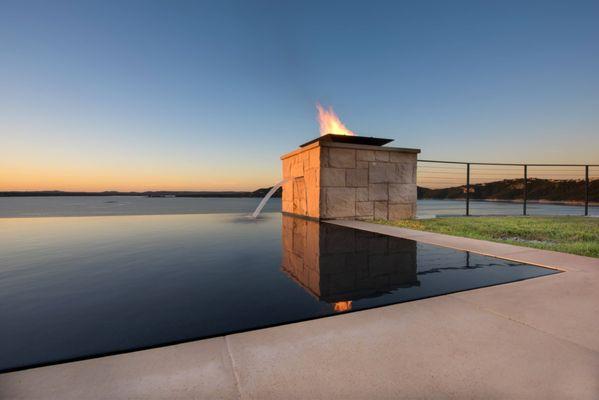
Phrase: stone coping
[349,146]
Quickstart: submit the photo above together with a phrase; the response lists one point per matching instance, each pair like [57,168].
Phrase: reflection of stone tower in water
[339,265]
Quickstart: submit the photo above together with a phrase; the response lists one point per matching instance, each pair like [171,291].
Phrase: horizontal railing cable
[568,188]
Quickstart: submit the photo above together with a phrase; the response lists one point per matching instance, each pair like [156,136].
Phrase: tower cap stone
[329,137]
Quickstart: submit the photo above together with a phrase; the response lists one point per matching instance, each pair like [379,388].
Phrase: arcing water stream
[268,196]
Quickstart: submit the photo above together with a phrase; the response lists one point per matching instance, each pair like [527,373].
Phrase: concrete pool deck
[537,338]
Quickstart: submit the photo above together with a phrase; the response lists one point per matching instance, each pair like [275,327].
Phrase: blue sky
[208,95]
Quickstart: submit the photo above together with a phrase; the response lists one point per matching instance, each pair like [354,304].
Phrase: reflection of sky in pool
[83,286]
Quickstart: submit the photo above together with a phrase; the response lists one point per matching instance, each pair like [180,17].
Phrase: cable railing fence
[448,188]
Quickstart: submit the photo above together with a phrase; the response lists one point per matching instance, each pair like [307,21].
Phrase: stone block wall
[329,180]
[301,193]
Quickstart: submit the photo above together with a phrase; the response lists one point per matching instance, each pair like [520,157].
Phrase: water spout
[268,196]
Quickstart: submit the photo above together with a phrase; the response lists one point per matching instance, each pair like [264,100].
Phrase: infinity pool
[78,287]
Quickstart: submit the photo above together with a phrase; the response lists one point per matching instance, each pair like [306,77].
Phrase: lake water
[73,288]
[139,205]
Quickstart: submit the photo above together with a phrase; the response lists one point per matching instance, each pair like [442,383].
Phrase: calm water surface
[86,286]
[138,205]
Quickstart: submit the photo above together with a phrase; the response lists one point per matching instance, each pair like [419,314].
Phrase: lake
[66,206]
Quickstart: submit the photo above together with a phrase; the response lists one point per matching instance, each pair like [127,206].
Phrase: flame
[329,122]
[341,306]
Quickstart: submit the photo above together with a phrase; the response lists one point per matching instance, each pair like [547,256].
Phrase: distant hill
[508,189]
[512,189]
[262,192]
[161,193]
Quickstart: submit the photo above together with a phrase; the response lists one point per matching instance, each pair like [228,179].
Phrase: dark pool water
[78,287]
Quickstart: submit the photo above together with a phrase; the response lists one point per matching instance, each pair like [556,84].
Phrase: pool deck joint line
[233,368]
[542,334]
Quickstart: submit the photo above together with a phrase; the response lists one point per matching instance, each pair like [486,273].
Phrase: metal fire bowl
[329,137]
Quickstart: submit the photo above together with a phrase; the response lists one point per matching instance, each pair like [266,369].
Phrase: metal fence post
[586,190]
[467,189]
[525,189]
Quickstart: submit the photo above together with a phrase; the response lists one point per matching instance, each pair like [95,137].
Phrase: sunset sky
[191,95]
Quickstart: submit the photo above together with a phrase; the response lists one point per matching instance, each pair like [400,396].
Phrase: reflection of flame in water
[342,306]
[330,123]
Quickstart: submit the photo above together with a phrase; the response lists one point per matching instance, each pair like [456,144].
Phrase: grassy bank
[576,235]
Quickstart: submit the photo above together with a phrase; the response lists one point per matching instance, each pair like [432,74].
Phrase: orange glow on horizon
[37,178]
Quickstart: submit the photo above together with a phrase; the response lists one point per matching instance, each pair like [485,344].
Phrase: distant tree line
[160,193]
[513,189]
[507,189]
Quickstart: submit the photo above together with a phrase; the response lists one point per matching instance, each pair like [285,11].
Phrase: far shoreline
[256,194]
[577,203]
[151,194]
